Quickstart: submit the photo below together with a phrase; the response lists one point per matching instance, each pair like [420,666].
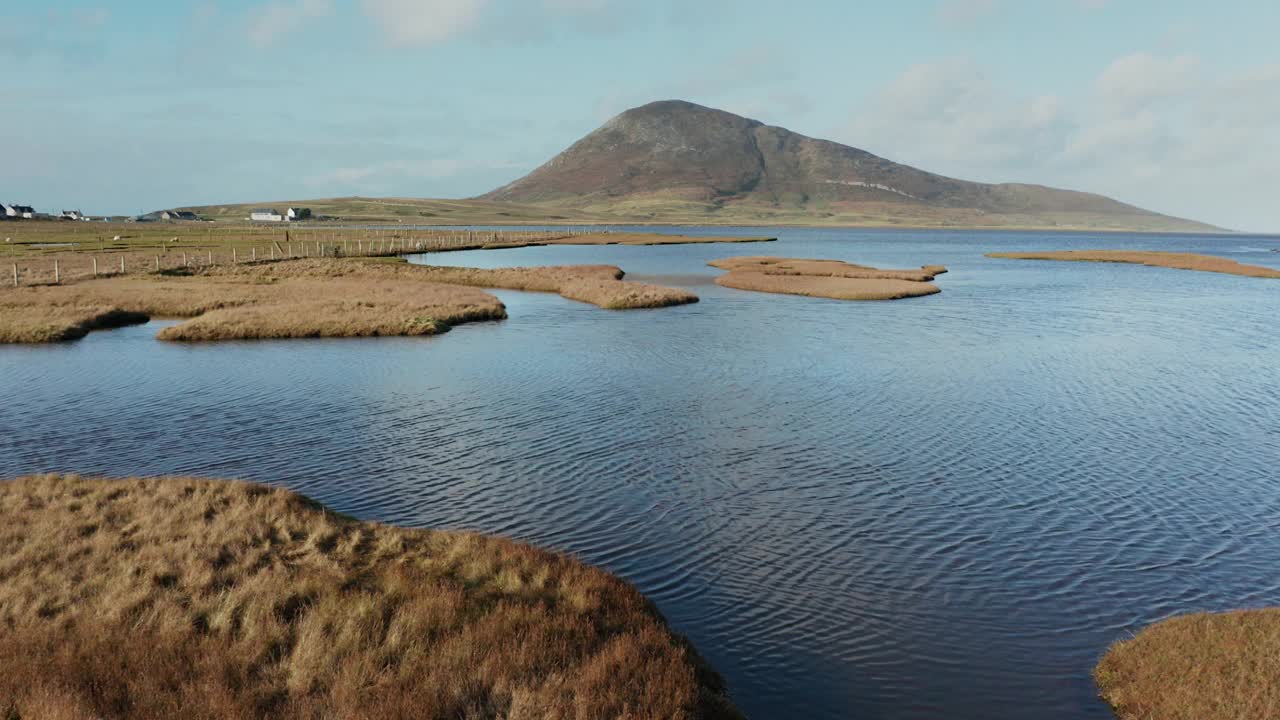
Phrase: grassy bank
[825,278]
[1197,667]
[1179,261]
[286,299]
[45,251]
[305,299]
[178,597]
[664,209]
[600,285]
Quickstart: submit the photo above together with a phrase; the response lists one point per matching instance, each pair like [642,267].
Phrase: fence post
[157,263]
[233,254]
[57,278]
[121,264]
[15,274]
[210,257]
[95,267]
[254,257]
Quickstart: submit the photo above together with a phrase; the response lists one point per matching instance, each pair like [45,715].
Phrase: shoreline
[305,298]
[833,279]
[176,596]
[1195,666]
[1148,258]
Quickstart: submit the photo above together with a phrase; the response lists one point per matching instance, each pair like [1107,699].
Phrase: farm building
[296,214]
[71,215]
[178,215]
[266,215]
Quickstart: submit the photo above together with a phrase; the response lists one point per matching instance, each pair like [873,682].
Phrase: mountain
[674,160]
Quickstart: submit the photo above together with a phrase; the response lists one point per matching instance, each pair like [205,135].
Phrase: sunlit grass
[1223,666]
[1179,261]
[825,278]
[179,597]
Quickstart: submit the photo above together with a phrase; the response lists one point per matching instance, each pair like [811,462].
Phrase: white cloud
[423,22]
[1135,81]
[950,115]
[280,17]
[1153,130]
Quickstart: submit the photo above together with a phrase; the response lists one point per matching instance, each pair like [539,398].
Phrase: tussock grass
[600,285]
[1206,666]
[179,597]
[825,278]
[824,268]
[58,323]
[293,299]
[305,298]
[1178,261]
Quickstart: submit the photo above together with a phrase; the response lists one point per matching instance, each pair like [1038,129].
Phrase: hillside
[674,162]
[677,158]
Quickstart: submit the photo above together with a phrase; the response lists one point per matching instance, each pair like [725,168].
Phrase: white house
[9,211]
[71,215]
[266,215]
[296,214]
[25,211]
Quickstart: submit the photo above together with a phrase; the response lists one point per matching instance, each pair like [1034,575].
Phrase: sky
[115,107]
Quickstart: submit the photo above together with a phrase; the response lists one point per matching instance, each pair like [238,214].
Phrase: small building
[8,212]
[296,214]
[177,215]
[71,215]
[266,215]
[25,211]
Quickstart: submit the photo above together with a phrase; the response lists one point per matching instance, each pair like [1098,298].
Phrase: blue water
[940,507]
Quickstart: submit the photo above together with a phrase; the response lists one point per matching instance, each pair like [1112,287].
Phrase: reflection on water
[945,506]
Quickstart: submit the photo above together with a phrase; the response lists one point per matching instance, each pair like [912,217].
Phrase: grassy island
[179,597]
[825,278]
[1179,261]
[320,297]
[1197,667]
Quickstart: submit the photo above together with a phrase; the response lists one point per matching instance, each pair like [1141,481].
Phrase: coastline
[180,596]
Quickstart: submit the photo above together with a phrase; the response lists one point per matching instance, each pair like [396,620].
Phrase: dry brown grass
[825,278]
[43,251]
[600,285]
[305,298]
[824,268]
[1179,261]
[293,299]
[1223,666]
[179,597]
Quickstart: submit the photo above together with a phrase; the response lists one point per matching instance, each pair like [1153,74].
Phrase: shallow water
[946,506]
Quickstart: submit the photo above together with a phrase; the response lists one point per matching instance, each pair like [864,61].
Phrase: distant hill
[680,161]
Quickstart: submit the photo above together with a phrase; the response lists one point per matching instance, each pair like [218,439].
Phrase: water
[946,506]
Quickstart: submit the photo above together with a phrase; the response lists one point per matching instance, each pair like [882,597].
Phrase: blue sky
[125,107]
